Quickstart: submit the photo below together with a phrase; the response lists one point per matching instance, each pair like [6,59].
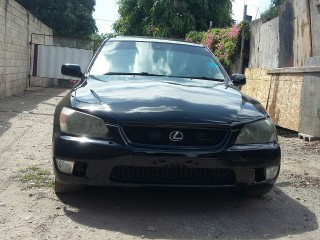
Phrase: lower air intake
[173,175]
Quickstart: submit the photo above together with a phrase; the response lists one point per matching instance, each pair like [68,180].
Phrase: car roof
[156,40]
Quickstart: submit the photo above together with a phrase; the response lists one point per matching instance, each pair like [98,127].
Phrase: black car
[155,112]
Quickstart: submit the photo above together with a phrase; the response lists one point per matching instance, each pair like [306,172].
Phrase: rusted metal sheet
[286,32]
[302,32]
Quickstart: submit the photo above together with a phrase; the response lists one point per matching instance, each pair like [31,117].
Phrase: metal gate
[48,53]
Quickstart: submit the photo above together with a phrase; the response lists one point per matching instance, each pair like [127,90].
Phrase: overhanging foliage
[171,18]
[70,18]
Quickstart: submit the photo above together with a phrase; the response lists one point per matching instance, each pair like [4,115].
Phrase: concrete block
[2,91]
[2,65]
[307,137]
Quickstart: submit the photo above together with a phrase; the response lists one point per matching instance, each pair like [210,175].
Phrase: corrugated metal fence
[48,53]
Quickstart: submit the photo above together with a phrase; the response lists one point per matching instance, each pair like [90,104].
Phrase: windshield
[157,59]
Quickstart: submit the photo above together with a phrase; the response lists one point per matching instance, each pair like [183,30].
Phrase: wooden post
[242,40]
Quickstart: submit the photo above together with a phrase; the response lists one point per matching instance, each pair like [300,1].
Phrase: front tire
[63,188]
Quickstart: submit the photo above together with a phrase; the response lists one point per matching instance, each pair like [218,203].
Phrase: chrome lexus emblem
[176,136]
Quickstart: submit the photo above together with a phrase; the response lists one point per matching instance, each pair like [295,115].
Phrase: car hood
[163,99]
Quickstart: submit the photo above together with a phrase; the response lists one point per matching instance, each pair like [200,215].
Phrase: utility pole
[242,40]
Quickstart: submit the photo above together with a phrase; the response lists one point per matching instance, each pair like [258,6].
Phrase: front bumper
[98,160]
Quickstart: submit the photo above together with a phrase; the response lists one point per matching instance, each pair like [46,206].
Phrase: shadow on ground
[189,213]
[286,133]
[27,104]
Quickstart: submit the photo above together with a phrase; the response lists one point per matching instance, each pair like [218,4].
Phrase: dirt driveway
[29,209]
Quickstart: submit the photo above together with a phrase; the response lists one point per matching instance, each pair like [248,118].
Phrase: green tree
[70,18]
[133,14]
[171,18]
[273,11]
[101,36]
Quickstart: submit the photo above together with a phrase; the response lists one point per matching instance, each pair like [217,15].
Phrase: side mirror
[72,70]
[238,79]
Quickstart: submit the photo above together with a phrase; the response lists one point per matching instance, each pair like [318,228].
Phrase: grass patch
[36,177]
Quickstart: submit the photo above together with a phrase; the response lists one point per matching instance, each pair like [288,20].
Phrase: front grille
[192,137]
[173,175]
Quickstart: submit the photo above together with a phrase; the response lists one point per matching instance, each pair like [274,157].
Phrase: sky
[106,12]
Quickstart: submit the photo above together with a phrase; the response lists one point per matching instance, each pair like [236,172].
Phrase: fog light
[65,166]
[271,172]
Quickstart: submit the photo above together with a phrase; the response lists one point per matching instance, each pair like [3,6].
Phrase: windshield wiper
[202,78]
[134,74]
[95,78]
[208,78]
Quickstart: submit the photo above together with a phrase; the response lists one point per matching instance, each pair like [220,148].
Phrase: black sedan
[155,112]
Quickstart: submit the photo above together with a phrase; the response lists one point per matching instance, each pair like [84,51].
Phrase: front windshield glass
[152,58]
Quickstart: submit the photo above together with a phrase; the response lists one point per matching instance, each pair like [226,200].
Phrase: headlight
[263,131]
[82,124]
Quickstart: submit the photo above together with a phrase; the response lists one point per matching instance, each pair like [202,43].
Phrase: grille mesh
[160,136]
[173,175]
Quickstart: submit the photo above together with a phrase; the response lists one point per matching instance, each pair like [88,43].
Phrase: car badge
[176,136]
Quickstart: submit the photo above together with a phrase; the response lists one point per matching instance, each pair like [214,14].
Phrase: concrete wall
[16,27]
[310,105]
[315,29]
[284,41]
[310,100]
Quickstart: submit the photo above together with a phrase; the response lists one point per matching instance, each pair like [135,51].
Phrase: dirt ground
[29,209]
